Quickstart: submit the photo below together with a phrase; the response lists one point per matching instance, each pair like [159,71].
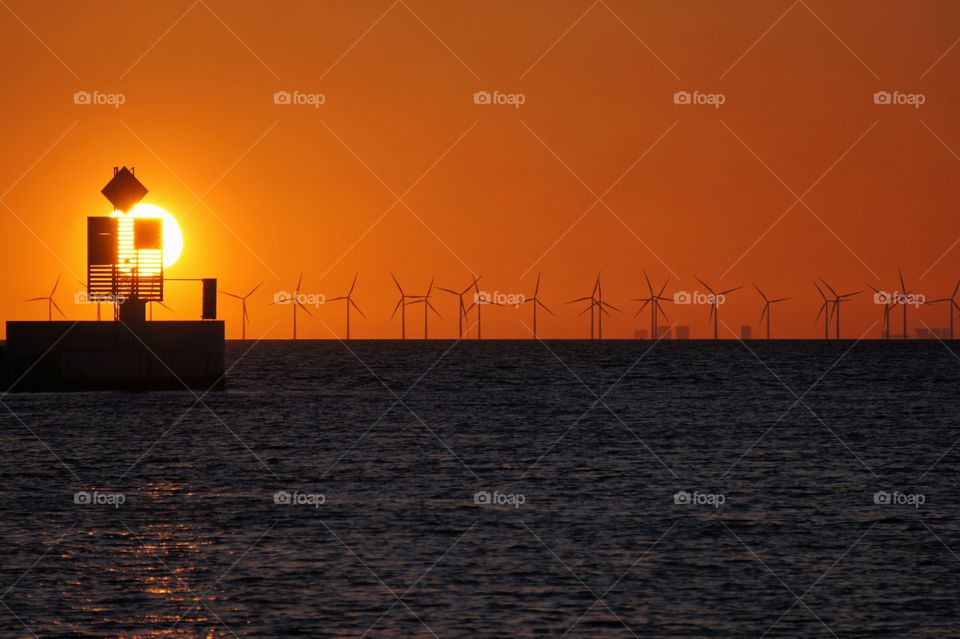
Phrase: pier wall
[69,356]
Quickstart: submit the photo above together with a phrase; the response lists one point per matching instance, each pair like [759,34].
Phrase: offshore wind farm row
[470,300]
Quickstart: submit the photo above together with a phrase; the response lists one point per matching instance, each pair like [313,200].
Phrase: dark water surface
[781,446]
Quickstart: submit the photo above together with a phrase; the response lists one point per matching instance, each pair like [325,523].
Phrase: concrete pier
[76,356]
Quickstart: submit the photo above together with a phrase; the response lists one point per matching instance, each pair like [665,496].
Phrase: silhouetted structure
[294,301]
[653,301]
[598,306]
[427,306]
[402,306]
[836,302]
[767,303]
[535,300]
[348,298]
[952,305]
[717,299]
[461,307]
[244,318]
[125,266]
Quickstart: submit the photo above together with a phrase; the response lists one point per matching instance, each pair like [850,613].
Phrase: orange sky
[265,191]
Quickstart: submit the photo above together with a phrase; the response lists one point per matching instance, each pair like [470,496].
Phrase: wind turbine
[904,293]
[402,305]
[888,305]
[244,318]
[535,300]
[825,311]
[596,305]
[766,307]
[836,301]
[349,299]
[602,308]
[478,301]
[295,302]
[49,300]
[715,305]
[462,311]
[592,298]
[427,306]
[951,305]
[653,301]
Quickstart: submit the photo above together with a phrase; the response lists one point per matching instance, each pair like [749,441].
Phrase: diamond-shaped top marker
[124,190]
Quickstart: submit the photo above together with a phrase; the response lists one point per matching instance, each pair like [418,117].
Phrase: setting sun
[172,235]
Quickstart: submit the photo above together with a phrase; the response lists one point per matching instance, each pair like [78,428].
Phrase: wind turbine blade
[729,290]
[903,287]
[56,284]
[430,288]
[850,294]
[544,307]
[955,289]
[536,289]
[664,287]
[399,288]
[58,308]
[355,276]
[299,282]
[305,309]
[354,304]
[447,290]
[608,305]
[396,308]
[829,288]
[819,290]
[337,299]
[435,312]
[472,285]
[649,285]
[660,310]
[820,312]
[231,295]
[705,284]
[36,299]
[253,290]
[763,312]
[781,299]
[246,315]
[761,293]
[589,308]
[646,303]
[579,299]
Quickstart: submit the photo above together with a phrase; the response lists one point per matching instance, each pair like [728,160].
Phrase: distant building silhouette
[683,332]
[933,333]
[664,332]
[639,334]
[746,332]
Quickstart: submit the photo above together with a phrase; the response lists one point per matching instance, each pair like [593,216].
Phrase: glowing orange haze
[493,189]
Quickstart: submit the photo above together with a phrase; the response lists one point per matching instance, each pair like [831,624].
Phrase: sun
[172,235]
